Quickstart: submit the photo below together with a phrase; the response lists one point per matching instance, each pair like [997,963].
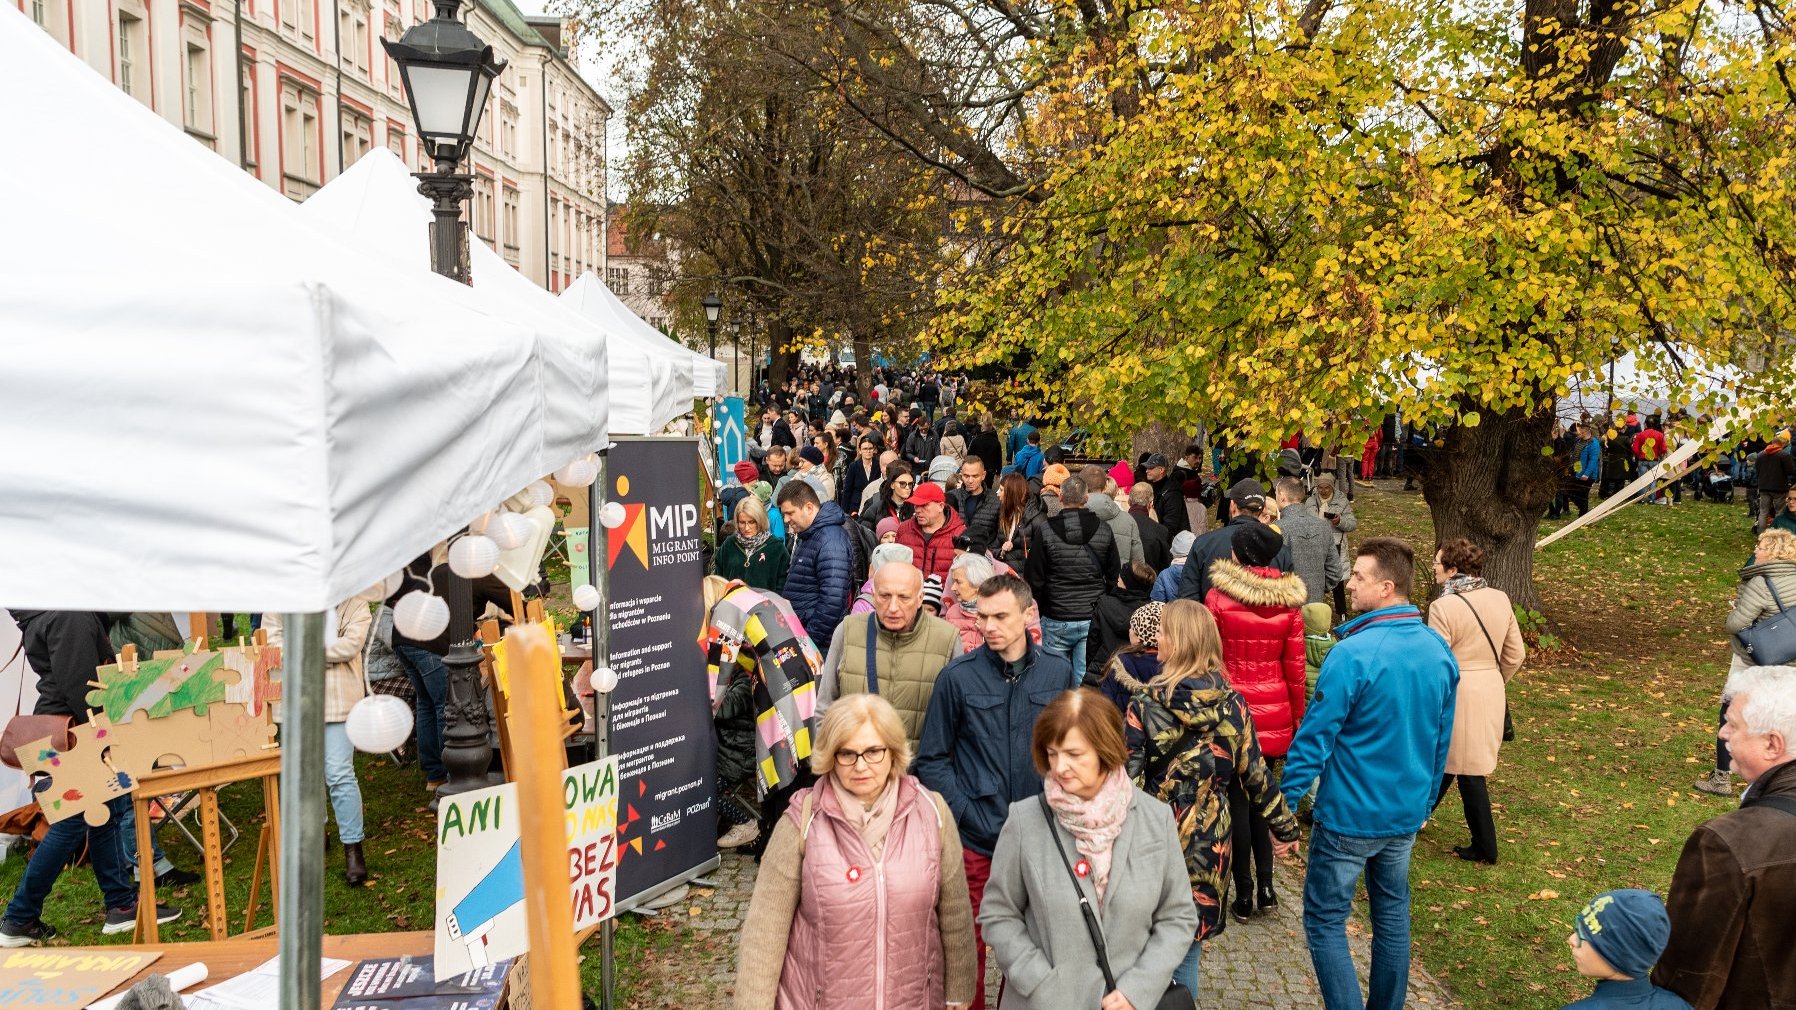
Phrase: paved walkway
[1262,963]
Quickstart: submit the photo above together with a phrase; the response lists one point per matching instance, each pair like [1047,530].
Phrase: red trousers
[979,870]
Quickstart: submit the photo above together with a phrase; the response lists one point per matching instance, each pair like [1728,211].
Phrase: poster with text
[480,873]
[660,726]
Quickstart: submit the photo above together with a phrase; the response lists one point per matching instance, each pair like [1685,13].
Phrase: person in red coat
[930,531]
[1258,611]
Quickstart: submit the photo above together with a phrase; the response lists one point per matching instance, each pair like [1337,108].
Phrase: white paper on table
[254,990]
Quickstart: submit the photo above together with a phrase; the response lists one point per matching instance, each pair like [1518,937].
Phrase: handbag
[22,729]
[1176,996]
[1771,640]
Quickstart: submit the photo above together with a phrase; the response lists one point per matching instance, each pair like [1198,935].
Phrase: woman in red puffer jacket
[1258,610]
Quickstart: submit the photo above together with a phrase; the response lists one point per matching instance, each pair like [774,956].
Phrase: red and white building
[311,90]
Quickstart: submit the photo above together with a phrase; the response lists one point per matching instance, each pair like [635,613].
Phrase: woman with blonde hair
[862,890]
[1190,736]
[753,555]
[1767,585]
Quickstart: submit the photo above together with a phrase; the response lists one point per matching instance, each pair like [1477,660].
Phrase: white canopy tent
[588,376]
[595,301]
[209,405]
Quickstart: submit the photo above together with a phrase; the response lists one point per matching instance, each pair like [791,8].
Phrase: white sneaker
[740,835]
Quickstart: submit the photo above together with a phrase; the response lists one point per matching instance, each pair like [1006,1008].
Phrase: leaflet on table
[404,983]
[257,989]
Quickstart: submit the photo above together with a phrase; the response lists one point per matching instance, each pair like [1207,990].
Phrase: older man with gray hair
[896,651]
[1733,897]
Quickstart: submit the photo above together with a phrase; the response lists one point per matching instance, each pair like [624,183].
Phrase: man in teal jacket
[1376,733]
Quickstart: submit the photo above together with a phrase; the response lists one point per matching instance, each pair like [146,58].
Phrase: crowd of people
[1032,670]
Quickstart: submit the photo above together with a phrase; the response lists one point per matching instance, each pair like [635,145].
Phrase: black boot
[1268,898]
[1243,907]
[355,871]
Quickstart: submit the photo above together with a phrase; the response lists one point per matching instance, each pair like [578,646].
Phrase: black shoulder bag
[1176,996]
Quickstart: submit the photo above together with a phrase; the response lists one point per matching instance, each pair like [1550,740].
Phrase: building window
[509,226]
[508,129]
[252,136]
[483,208]
[302,162]
[133,77]
[358,137]
[618,280]
[395,27]
[197,90]
[396,140]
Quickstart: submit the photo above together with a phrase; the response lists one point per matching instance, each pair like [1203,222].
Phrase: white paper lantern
[480,524]
[378,724]
[508,530]
[587,597]
[420,616]
[473,556]
[717,438]
[392,583]
[604,679]
[541,493]
[612,515]
[580,473]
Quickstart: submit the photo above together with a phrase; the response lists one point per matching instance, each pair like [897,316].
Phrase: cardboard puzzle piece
[78,780]
[175,681]
[236,732]
[185,738]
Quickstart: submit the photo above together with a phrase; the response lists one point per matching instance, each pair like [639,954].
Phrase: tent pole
[300,911]
[598,572]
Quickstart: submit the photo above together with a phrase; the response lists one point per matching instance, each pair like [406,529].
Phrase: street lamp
[447,72]
[736,351]
[713,308]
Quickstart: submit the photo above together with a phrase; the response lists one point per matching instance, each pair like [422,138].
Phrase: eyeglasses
[875,756]
[904,483]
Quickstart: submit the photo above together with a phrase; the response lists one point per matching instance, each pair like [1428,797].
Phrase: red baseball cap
[926,493]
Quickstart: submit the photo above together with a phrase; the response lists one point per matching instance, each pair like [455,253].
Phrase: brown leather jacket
[1733,907]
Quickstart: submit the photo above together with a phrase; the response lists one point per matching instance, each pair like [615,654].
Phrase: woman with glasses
[893,499]
[862,889]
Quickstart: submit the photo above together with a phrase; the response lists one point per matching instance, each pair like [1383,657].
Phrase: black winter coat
[1214,546]
[1072,561]
[981,517]
[1156,539]
[64,647]
[986,446]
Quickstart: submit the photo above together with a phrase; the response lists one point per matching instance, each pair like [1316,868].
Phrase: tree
[801,216]
[1280,219]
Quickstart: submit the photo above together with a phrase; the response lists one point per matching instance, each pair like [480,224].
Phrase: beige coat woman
[1485,666]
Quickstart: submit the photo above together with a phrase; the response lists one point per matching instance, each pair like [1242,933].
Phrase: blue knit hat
[1628,928]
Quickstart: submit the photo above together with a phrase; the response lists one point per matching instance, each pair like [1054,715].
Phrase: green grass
[1612,730]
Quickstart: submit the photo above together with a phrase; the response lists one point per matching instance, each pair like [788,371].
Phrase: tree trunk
[1491,484]
[781,354]
[863,368]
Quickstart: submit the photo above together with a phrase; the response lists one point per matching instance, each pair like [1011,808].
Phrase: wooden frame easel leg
[214,864]
[147,930]
[267,853]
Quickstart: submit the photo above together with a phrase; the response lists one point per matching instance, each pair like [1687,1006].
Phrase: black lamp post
[448,71]
[713,308]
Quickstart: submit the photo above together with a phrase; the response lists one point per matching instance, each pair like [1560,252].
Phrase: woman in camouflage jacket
[1189,735]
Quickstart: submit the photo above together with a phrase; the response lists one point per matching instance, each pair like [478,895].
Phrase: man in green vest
[895,652]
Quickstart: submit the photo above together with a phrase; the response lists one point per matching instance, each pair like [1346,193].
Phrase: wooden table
[207,781]
[226,959]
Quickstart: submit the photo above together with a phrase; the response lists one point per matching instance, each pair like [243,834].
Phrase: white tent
[596,301]
[376,205]
[206,403]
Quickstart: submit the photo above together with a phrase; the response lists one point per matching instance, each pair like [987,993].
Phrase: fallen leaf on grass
[1543,895]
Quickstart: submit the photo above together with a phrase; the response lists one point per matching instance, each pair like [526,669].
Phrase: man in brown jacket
[1733,898]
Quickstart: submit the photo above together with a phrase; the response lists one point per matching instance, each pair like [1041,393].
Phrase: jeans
[1066,639]
[1336,862]
[339,778]
[60,845]
[430,679]
[1186,973]
[127,839]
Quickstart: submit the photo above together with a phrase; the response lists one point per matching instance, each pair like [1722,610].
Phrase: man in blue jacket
[975,746]
[1028,460]
[820,581]
[1377,734]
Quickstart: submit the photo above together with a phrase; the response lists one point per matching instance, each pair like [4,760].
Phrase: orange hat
[1055,475]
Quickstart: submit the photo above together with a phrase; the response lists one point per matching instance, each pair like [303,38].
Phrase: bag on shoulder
[1771,640]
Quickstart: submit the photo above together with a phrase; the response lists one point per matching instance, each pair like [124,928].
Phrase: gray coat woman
[1337,511]
[1135,877]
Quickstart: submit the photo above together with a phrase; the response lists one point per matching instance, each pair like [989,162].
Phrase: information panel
[661,709]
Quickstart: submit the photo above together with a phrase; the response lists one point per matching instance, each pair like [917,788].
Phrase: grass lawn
[1595,793]
[1612,730]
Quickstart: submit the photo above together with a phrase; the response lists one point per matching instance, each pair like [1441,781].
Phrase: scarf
[752,544]
[873,820]
[1094,823]
[1462,584]
[968,607]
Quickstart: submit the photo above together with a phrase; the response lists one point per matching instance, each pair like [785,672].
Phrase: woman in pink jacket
[1258,611]
[862,895]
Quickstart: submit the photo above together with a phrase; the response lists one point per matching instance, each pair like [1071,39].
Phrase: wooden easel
[530,612]
[206,782]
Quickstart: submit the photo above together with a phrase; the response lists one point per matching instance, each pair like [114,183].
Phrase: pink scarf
[1094,823]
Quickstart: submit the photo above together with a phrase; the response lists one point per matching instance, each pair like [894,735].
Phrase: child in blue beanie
[1617,940]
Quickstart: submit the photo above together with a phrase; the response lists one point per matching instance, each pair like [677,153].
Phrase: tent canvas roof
[596,301]
[207,403]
